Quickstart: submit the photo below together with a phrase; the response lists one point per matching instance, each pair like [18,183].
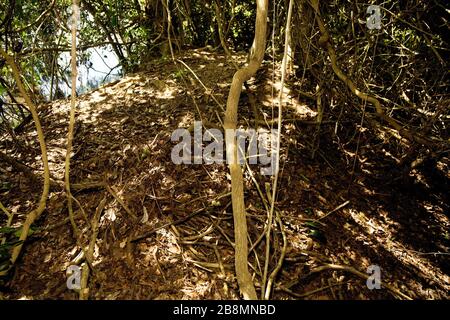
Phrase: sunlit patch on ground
[183,213]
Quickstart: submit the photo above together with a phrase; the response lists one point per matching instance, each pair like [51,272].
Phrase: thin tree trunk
[34,214]
[237,186]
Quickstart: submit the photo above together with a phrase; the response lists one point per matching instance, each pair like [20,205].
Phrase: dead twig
[306,294]
[359,274]
[335,209]
[168,224]
[122,203]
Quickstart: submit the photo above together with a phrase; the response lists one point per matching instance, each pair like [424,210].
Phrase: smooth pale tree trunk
[237,186]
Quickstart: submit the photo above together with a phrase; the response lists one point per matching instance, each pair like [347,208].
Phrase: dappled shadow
[122,137]
[397,221]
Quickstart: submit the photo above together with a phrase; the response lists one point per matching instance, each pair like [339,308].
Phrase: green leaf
[114,21]
[5,186]
[2,90]
[5,249]
[10,244]
[19,232]
[7,230]
[4,265]
[317,235]
[311,224]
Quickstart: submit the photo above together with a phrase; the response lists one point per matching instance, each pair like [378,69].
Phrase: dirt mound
[165,231]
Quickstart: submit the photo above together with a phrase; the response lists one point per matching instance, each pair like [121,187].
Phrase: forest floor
[398,221]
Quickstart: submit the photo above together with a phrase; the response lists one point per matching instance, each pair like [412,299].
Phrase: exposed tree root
[361,275]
